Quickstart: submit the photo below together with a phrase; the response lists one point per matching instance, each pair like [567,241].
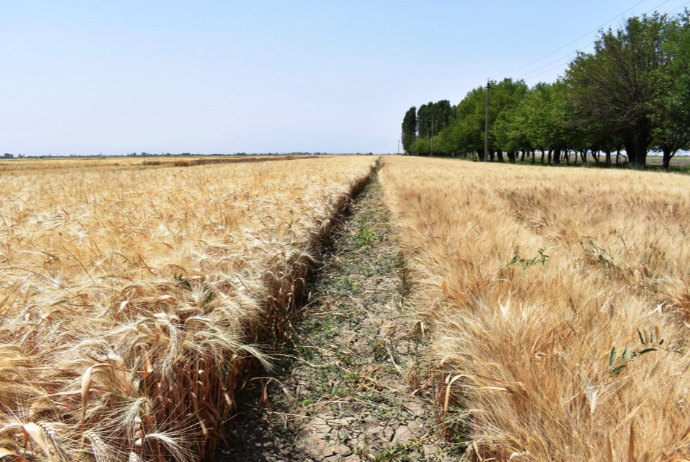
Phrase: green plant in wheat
[648,343]
[525,262]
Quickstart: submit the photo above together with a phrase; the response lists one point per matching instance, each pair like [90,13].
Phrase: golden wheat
[559,302]
[121,163]
[131,298]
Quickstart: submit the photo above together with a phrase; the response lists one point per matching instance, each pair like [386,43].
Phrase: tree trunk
[640,145]
[637,143]
[584,156]
[630,150]
[667,156]
[534,157]
[542,156]
[548,159]
[511,157]
[556,158]
[566,154]
[608,157]
[618,155]
[522,156]
[595,155]
[641,159]
[499,155]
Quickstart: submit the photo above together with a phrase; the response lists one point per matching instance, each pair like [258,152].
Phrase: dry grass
[558,300]
[131,300]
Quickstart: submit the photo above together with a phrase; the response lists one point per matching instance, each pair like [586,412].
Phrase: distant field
[676,161]
[62,163]
[132,297]
[558,302]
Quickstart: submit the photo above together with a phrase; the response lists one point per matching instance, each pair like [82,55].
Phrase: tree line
[629,96]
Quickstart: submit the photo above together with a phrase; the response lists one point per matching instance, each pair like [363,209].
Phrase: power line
[551,63]
[656,7]
[548,70]
[576,40]
[672,11]
[528,74]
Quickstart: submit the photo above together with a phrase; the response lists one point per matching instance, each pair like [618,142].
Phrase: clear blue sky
[89,77]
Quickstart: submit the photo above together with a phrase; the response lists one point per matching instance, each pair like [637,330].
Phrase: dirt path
[341,393]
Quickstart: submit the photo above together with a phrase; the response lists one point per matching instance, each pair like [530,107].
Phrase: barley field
[136,297]
[557,302]
[29,164]
[133,299]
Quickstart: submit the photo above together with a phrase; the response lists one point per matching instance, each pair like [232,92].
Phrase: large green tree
[464,132]
[672,131]
[504,96]
[619,84]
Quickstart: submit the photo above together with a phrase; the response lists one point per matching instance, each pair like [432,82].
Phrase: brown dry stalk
[560,297]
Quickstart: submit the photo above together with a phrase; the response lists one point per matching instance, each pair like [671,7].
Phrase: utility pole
[432,135]
[486,124]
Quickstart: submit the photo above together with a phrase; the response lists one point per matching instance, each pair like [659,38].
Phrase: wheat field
[32,165]
[558,303]
[133,299]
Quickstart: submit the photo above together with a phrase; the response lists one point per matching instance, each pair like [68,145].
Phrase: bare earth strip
[342,394]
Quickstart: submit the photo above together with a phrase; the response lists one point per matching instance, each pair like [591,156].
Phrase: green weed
[526,263]
[365,236]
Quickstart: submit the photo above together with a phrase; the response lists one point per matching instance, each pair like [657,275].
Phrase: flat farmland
[342,308]
[132,300]
[676,161]
[557,301]
[130,162]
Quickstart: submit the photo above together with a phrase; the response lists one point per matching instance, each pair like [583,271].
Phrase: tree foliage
[409,128]
[630,95]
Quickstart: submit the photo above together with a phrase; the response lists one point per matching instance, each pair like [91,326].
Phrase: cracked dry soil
[340,392]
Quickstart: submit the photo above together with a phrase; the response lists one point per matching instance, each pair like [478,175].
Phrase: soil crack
[340,393]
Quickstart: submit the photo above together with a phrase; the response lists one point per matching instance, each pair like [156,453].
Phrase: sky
[105,77]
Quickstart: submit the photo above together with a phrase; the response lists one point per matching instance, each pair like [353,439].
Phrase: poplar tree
[409,129]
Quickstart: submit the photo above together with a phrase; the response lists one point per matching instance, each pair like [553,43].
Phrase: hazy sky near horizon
[90,77]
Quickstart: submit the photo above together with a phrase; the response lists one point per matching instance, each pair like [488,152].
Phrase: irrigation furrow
[340,390]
